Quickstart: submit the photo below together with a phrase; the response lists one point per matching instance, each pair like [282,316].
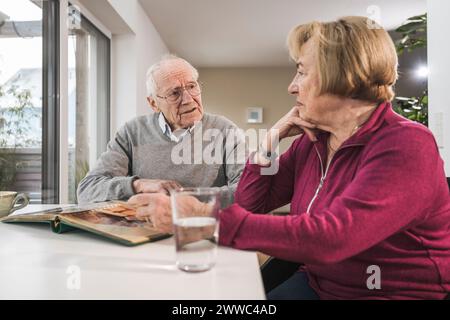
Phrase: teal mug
[9,202]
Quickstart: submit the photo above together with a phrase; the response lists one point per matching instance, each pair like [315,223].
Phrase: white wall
[230,91]
[439,71]
[123,80]
[132,53]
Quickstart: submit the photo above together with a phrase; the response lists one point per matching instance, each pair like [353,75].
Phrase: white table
[36,263]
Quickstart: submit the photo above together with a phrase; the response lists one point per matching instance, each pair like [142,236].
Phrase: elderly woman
[367,187]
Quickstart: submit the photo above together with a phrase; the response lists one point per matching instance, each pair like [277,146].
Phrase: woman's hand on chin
[291,124]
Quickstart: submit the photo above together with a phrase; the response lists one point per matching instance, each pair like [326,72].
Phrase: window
[88,97]
[30,105]
[28,65]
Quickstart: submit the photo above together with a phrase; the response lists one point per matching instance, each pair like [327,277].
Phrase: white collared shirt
[175,135]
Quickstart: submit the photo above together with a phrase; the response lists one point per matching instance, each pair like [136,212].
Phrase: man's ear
[152,104]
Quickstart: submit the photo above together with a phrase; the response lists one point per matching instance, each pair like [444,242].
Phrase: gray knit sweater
[141,150]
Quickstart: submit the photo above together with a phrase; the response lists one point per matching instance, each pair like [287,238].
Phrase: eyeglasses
[193,88]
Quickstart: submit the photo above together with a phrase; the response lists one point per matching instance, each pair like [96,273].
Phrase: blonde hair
[356,57]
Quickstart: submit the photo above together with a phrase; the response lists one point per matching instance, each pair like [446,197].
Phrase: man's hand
[155,186]
[155,206]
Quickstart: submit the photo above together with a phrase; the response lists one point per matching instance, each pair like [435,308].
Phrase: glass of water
[196,225]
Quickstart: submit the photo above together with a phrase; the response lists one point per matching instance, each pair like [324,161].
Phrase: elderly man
[144,156]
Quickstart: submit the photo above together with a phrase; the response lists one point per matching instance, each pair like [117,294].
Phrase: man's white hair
[151,83]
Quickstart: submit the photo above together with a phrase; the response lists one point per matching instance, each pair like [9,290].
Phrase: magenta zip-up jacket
[383,202]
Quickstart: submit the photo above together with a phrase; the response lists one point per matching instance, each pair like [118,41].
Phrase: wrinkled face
[173,75]
[314,108]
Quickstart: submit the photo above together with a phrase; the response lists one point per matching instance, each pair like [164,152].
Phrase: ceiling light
[422,72]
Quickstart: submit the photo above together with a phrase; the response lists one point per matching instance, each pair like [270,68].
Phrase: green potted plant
[14,129]
[413,35]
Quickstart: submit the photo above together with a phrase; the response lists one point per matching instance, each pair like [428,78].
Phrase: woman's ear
[152,104]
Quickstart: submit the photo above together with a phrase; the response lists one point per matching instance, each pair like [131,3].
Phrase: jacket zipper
[322,179]
[324,174]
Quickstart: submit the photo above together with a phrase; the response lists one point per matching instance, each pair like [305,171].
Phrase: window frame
[63,84]
[50,101]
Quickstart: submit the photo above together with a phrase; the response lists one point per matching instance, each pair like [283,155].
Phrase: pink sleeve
[263,193]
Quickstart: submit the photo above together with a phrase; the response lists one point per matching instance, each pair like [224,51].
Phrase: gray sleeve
[111,178]
[234,161]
